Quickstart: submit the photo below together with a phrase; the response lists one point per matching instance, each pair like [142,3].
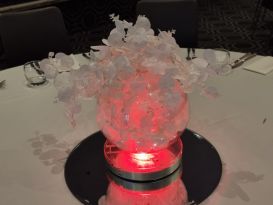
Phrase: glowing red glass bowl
[142,112]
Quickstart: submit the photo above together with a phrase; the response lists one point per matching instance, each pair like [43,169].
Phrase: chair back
[31,35]
[268,4]
[181,15]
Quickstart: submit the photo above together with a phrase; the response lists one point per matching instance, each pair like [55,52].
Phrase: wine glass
[218,60]
[34,75]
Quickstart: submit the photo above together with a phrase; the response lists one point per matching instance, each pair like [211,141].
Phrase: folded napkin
[262,66]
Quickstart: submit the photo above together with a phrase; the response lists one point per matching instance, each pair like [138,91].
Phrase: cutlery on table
[242,60]
[188,55]
[193,53]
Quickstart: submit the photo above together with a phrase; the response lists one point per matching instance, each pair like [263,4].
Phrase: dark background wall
[10,2]
[87,21]
[222,23]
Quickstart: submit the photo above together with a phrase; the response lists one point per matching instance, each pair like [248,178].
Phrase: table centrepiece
[141,83]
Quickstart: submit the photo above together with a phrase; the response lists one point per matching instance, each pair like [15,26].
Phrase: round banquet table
[36,137]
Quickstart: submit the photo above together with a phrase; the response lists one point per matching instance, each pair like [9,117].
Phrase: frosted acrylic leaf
[142,113]
[65,94]
[51,54]
[65,61]
[218,61]
[63,80]
[92,56]
[65,87]
[105,42]
[199,62]
[115,39]
[210,92]
[167,37]
[102,52]
[143,22]
[49,69]
[60,62]
[139,79]
[166,82]
[88,81]
[121,62]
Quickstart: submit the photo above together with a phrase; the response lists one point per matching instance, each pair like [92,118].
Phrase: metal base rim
[85,168]
[146,186]
[145,177]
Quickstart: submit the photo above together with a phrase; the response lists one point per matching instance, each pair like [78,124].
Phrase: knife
[242,60]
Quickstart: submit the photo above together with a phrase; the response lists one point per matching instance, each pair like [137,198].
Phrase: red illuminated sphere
[142,111]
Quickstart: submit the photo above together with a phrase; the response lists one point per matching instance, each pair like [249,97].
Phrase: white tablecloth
[35,138]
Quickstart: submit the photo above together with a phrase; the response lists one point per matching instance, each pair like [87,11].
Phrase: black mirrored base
[86,177]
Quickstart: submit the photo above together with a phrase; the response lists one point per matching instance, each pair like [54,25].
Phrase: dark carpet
[228,24]
[223,24]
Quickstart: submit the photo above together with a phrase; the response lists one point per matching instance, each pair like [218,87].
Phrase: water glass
[33,74]
[219,60]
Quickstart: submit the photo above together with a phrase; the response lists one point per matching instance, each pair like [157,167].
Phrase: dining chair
[261,9]
[181,15]
[31,35]
[259,15]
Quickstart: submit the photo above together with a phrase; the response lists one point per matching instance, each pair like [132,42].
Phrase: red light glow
[142,112]
[143,159]
[140,162]
[173,194]
[143,162]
